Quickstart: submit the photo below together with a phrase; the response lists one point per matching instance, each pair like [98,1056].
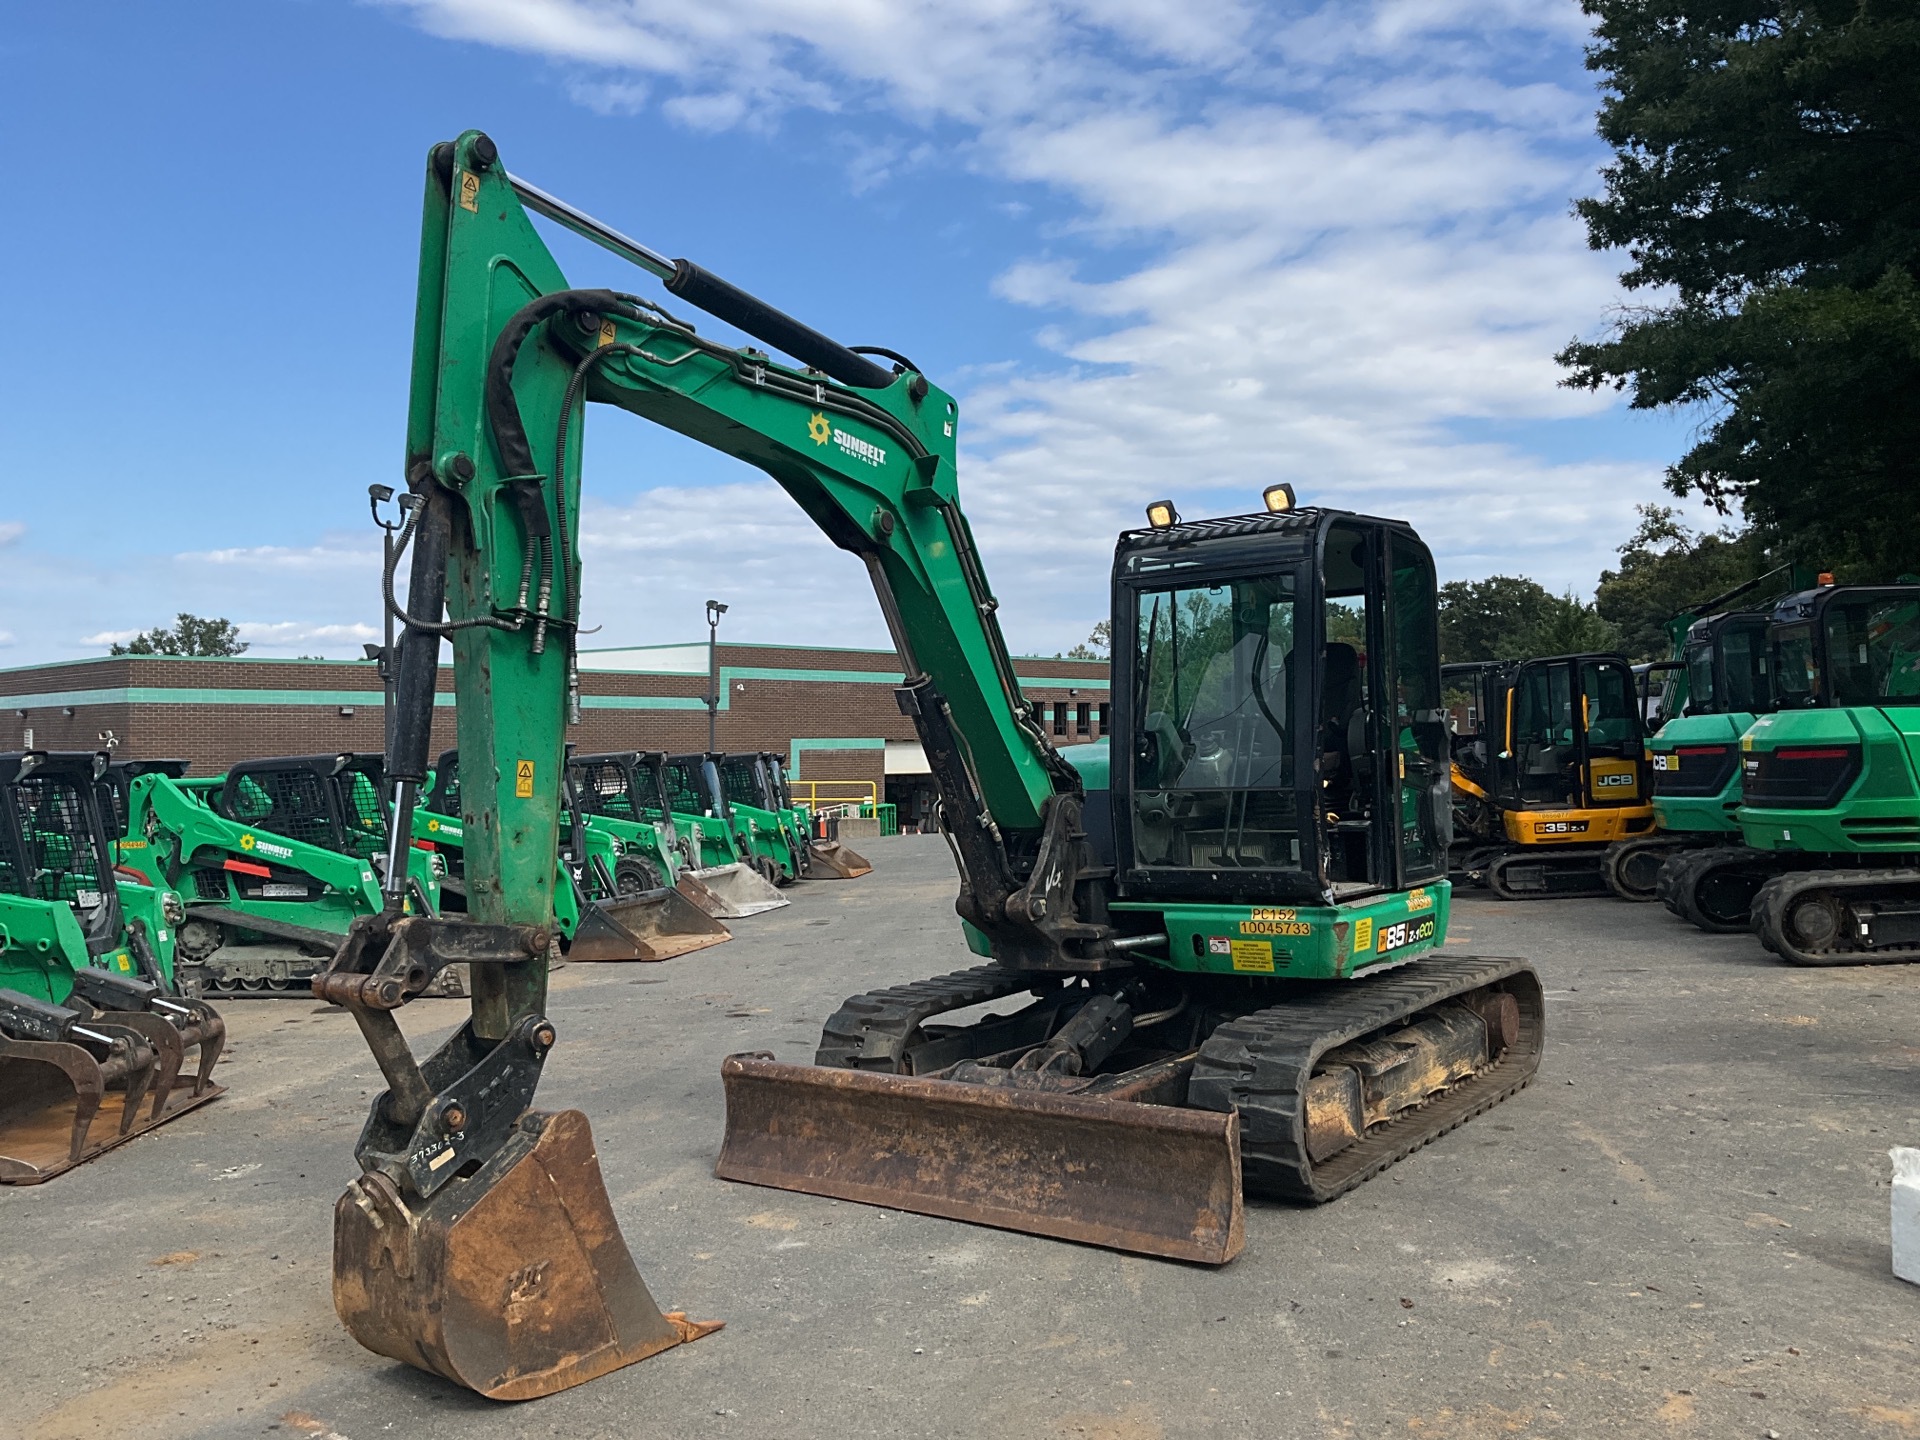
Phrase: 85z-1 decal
[1402,933]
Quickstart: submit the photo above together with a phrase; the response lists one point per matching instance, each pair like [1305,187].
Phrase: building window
[1059,717]
[1083,718]
[1103,719]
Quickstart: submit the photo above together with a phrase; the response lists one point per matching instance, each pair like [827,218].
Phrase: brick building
[831,712]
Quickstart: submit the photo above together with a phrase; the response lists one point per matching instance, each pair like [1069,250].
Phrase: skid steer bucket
[514,1282]
[646,925]
[830,860]
[1151,1179]
[732,892]
[61,1104]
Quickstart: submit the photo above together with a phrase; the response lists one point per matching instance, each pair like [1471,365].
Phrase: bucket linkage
[479,1242]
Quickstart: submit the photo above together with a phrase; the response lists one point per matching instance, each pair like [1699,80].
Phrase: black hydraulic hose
[780,330]
[417,672]
[503,409]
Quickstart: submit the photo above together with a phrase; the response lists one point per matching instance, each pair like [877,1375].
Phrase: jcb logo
[1620,779]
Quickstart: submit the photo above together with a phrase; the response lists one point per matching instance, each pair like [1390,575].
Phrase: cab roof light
[1278,498]
[1161,515]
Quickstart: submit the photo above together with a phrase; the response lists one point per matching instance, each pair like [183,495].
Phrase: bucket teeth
[514,1282]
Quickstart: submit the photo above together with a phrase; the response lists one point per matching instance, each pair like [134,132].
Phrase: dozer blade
[60,1107]
[830,860]
[648,925]
[515,1282]
[1151,1179]
[737,891]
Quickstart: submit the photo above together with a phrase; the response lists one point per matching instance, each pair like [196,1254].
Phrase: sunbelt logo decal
[265,847]
[820,430]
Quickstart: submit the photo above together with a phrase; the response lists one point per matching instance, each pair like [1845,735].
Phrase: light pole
[714,611]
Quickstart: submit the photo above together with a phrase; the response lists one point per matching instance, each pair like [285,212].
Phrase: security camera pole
[714,611]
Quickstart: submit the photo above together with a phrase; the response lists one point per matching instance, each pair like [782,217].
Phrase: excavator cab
[1278,691]
[1553,770]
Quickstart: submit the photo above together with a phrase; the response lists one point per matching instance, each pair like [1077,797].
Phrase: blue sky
[1179,247]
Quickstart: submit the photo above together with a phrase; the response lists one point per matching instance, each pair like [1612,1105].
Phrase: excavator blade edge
[1150,1179]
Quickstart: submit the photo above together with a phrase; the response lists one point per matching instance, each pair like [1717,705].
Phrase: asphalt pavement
[1679,1229]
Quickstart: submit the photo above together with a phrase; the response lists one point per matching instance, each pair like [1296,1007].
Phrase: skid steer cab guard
[820,859]
[92,1053]
[609,906]
[741,881]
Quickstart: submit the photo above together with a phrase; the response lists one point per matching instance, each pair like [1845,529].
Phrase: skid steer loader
[610,900]
[756,783]
[93,1048]
[274,859]
[633,793]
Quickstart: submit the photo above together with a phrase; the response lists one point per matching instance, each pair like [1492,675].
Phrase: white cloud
[1351,258]
[286,634]
[11,531]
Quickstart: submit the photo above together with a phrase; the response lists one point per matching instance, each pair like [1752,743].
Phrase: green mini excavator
[1829,871]
[1208,956]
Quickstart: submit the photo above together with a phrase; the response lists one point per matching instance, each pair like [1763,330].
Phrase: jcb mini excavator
[94,1044]
[1551,769]
[274,860]
[611,900]
[1192,938]
[1830,786]
[756,782]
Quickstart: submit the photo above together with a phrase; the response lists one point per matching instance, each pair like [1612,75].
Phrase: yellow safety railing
[850,793]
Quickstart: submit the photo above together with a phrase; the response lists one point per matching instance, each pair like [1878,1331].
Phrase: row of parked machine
[1781,793]
[130,892]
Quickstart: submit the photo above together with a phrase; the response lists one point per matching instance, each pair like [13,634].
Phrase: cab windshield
[1213,758]
[1796,671]
[1873,646]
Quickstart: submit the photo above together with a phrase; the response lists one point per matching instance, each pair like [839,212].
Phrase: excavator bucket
[647,925]
[831,860]
[1102,1170]
[731,892]
[63,1103]
[514,1282]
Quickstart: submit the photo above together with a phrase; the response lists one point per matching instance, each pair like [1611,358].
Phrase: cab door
[1613,750]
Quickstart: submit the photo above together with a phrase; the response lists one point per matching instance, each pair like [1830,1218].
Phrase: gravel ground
[1679,1229]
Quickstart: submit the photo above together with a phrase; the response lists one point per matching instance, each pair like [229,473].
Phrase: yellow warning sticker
[523,779]
[1363,935]
[606,332]
[469,191]
[1253,955]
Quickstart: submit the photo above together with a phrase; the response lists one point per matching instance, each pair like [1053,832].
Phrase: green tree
[1666,569]
[1095,646]
[1766,189]
[1489,619]
[189,635]
[1567,625]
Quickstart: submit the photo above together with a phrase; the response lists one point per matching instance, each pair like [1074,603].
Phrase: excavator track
[1632,867]
[1547,873]
[872,1031]
[1841,917]
[1714,889]
[1258,1067]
